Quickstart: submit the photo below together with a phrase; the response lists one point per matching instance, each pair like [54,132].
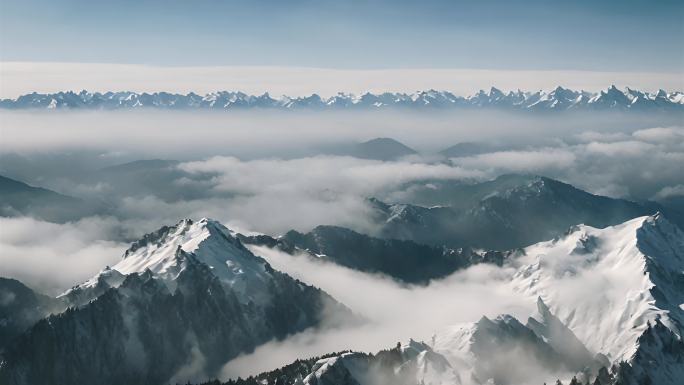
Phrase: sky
[603,39]
[275,171]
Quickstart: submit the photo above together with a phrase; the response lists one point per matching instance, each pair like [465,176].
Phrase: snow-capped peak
[167,252]
[608,284]
[477,350]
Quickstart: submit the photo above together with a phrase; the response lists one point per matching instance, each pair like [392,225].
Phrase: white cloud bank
[25,77]
[51,257]
[395,312]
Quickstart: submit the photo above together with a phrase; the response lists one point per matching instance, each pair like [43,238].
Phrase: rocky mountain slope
[404,260]
[182,302]
[20,308]
[609,311]
[188,298]
[509,212]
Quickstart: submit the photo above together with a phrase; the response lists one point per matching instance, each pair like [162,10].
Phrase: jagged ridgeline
[183,301]
[508,212]
[628,332]
[558,99]
[404,260]
[188,298]
[458,223]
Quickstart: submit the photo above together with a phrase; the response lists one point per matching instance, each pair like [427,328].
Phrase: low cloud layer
[269,172]
[302,193]
[394,311]
[641,165]
[119,136]
[52,257]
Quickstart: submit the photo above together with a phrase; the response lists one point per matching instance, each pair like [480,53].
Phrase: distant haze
[25,77]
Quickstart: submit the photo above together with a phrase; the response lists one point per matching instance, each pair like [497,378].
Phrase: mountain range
[488,222]
[559,99]
[624,329]
[508,212]
[605,275]
[189,297]
[453,218]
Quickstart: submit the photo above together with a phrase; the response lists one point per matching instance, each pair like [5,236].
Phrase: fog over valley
[341,193]
[274,172]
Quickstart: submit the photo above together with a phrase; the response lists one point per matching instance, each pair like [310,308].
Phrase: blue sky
[621,35]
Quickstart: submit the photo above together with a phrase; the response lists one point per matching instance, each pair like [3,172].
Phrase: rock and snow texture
[167,252]
[558,99]
[210,243]
[502,351]
[490,351]
[182,302]
[610,286]
[408,364]
[604,296]
[603,283]
[345,369]
[195,297]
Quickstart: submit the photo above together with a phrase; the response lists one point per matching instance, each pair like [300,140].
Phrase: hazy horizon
[534,237]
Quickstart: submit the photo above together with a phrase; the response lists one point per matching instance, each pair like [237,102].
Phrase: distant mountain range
[558,99]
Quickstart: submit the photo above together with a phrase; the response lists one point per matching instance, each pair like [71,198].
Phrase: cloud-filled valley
[222,170]
[135,171]
[392,309]
[341,193]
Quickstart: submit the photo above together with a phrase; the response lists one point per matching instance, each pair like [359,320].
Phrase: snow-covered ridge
[184,291]
[608,285]
[168,251]
[603,296]
[558,99]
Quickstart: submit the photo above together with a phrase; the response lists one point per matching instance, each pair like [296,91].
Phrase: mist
[55,149]
[273,171]
[393,310]
[186,135]
[52,257]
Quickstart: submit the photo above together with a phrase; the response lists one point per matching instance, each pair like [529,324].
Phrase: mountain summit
[619,289]
[183,301]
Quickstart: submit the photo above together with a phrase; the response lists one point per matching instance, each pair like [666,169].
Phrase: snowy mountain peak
[477,350]
[495,93]
[412,348]
[167,252]
[107,276]
[607,285]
